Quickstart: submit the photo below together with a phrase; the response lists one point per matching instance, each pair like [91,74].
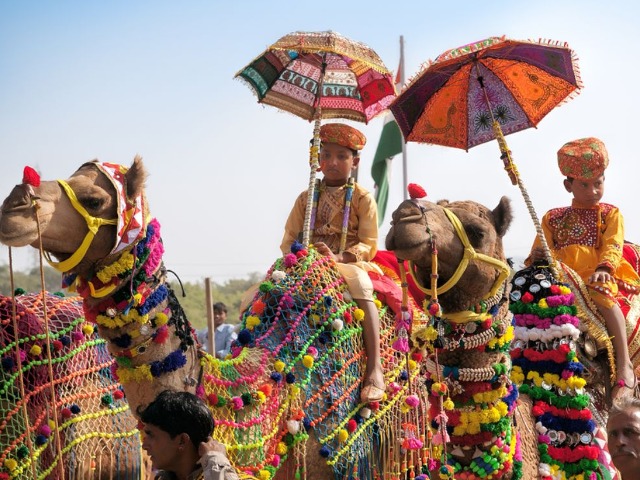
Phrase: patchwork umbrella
[320,75]
[486,90]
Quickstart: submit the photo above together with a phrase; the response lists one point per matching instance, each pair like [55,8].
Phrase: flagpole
[405,179]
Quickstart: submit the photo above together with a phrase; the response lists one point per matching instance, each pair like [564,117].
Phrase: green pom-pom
[59,294]
[266,287]
[22,451]
[107,399]
[19,291]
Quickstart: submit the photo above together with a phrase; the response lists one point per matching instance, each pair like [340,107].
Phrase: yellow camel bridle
[93,224]
[468,255]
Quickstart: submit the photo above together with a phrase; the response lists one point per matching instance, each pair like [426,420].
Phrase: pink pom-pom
[237,403]
[45,430]
[77,336]
[401,345]
[411,444]
[275,461]
[290,260]
[412,401]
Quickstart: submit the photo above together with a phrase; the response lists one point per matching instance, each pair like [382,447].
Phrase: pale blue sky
[85,79]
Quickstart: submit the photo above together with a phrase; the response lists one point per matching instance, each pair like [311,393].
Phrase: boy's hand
[601,276]
[537,254]
[211,445]
[323,250]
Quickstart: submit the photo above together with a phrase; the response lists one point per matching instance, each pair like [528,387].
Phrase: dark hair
[219,307]
[180,412]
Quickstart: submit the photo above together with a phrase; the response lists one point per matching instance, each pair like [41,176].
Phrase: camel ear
[135,179]
[502,216]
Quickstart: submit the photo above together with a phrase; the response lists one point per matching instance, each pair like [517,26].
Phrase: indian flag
[389,145]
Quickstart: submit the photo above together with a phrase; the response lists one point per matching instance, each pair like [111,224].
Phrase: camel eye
[92,203]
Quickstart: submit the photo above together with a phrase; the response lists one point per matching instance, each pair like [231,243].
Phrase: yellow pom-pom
[448,404]
[137,298]
[252,322]
[307,361]
[543,303]
[377,303]
[35,350]
[343,435]
[281,449]
[358,314]
[430,333]
[264,475]
[87,329]
[315,318]
[278,365]
[261,397]
[52,424]
[412,364]
[295,390]
[161,319]
[11,464]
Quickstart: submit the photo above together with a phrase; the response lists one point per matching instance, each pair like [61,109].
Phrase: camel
[286,401]
[64,417]
[546,370]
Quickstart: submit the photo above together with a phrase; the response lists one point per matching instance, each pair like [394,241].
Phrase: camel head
[419,224]
[59,214]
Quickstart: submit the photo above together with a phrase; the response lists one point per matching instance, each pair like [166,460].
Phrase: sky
[84,80]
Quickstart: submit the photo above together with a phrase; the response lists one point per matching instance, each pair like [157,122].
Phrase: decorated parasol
[320,75]
[486,90]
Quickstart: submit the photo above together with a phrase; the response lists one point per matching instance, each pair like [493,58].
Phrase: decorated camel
[287,400]
[63,413]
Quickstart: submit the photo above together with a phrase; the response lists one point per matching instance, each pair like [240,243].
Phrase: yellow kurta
[586,239]
[362,233]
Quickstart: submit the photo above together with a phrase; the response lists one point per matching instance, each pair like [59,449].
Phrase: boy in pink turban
[588,236]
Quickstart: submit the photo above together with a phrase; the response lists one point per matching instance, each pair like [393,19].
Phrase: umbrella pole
[514,175]
[313,166]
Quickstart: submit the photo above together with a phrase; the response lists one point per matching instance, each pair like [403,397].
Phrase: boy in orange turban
[588,236]
[339,156]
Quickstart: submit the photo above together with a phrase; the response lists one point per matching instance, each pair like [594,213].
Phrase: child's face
[336,163]
[586,192]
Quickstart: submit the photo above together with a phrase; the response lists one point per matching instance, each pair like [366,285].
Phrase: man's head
[219,314]
[623,429]
[175,424]
[339,154]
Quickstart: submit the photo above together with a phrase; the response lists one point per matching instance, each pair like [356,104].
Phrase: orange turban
[583,159]
[343,135]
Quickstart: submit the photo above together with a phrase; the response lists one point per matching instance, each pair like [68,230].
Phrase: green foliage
[230,293]
[194,304]
[30,281]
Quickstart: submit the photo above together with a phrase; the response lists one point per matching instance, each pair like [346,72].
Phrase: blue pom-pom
[325,452]
[66,341]
[292,54]
[296,247]
[358,418]
[306,423]
[41,440]
[244,337]
[75,409]
[328,301]
[291,378]
[404,375]
[276,377]
[7,363]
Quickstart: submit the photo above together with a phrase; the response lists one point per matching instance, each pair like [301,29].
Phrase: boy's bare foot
[626,385]
[373,386]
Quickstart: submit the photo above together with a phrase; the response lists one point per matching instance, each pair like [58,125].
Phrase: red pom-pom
[352,425]
[57,345]
[527,298]
[118,394]
[66,413]
[416,191]
[30,177]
